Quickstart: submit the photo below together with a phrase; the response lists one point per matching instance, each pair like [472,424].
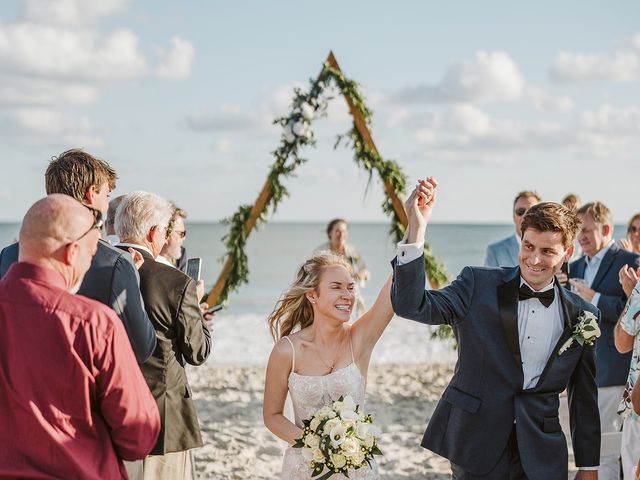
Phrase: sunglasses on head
[98,222]
[520,211]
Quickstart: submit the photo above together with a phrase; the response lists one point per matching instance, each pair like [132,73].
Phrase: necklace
[335,357]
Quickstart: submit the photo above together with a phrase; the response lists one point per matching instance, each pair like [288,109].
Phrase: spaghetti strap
[293,356]
[353,359]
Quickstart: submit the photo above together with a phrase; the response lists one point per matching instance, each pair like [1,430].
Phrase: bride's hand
[419,206]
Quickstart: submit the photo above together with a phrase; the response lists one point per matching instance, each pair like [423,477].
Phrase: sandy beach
[238,446]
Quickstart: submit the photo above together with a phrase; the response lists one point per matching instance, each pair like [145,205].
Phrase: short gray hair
[139,212]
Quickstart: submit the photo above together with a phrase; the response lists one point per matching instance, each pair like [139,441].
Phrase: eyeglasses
[98,222]
[633,229]
[520,211]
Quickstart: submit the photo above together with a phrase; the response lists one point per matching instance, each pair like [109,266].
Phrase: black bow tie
[546,297]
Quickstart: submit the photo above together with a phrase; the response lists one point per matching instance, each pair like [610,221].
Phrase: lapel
[579,268]
[508,304]
[605,265]
[569,316]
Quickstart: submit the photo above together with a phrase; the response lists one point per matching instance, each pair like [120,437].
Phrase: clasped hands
[418,207]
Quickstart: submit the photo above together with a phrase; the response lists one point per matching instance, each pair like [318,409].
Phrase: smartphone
[194,267]
[214,309]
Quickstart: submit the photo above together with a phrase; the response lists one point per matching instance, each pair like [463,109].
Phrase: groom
[498,418]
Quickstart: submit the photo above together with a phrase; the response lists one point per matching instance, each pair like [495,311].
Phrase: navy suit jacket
[613,367]
[112,279]
[472,422]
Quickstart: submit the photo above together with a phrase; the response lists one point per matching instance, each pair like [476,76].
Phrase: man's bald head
[50,236]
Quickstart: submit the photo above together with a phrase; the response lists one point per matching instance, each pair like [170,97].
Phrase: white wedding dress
[308,394]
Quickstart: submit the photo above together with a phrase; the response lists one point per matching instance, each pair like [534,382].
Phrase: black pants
[508,467]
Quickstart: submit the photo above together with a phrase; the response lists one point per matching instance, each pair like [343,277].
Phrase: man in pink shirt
[73,402]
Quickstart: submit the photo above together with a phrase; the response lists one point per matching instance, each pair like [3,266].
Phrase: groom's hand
[418,207]
[586,475]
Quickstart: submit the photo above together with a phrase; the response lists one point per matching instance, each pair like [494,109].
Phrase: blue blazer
[613,367]
[472,422]
[112,279]
[503,253]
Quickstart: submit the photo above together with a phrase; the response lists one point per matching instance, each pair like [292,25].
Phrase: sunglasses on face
[633,229]
[520,211]
[98,222]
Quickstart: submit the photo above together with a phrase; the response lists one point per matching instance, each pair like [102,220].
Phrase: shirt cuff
[408,252]
[594,300]
[588,468]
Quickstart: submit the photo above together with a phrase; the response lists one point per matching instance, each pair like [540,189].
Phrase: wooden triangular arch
[297,134]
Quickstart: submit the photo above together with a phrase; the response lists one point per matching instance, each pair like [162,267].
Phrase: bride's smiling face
[334,297]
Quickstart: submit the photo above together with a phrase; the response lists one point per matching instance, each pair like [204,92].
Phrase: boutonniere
[585,331]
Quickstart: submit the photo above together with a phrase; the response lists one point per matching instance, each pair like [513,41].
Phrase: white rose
[358,458]
[369,440]
[349,415]
[363,430]
[338,460]
[318,456]
[312,441]
[587,334]
[350,446]
[330,425]
[307,453]
[349,404]
[287,133]
[337,435]
[324,413]
[307,110]
[338,406]
[315,423]
[300,128]
[361,416]
[589,317]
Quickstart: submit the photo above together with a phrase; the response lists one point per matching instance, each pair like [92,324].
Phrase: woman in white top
[318,355]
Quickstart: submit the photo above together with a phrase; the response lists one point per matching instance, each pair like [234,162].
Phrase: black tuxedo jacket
[476,414]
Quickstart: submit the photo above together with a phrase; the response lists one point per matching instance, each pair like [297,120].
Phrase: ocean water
[275,252]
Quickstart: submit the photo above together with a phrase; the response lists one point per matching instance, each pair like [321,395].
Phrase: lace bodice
[308,394]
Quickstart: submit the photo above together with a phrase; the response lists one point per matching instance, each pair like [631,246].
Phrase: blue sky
[490,97]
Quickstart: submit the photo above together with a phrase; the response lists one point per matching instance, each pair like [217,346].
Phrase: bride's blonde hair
[293,309]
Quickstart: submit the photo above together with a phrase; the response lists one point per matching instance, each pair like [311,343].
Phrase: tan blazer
[171,302]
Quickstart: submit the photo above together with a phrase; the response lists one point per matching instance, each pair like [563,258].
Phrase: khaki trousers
[170,466]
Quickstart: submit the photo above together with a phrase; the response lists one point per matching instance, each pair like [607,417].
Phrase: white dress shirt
[539,329]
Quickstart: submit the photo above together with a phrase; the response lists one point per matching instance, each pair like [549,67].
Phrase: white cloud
[489,77]
[29,91]
[70,12]
[620,66]
[612,121]
[43,126]
[178,61]
[52,52]
[222,146]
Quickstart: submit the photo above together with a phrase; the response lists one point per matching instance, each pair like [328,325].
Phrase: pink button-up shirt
[73,402]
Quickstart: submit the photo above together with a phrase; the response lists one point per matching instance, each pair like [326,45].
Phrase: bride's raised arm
[367,329]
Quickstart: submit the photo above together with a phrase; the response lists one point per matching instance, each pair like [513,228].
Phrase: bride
[318,355]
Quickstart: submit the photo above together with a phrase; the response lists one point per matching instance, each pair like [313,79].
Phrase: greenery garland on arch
[297,134]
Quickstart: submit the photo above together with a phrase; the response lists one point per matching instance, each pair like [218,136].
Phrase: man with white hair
[73,402]
[171,300]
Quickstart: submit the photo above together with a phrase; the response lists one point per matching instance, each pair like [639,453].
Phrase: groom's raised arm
[409,297]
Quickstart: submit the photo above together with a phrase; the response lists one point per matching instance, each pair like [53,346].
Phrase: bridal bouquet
[339,437]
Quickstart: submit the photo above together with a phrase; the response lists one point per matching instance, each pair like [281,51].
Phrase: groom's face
[541,256]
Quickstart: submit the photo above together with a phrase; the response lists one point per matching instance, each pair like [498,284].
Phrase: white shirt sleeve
[594,300]
[408,252]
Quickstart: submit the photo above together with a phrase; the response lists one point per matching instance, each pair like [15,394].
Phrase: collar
[31,271]
[597,258]
[518,239]
[544,289]
[135,245]
[161,259]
